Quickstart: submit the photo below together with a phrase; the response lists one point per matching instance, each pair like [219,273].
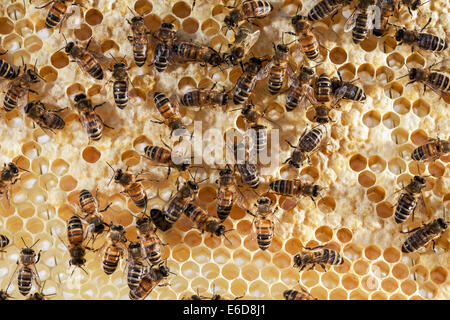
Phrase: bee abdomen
[297,295]
[174,210]
[330,257]
[322,10]
[264,230]
[323,88]
[191,99]
[158,218]
[4,241]
[256,9]
[424,152]
[24,280]
[276,78]
[87,201]
[244,89]
[310,47]
[140,52]
[161,59]
[431,42]
[75,230]
[249,174]
[153,250]
[157,154]
[138,195]
[94,126]
[120,89]
[55,122]
[405,206]
[292,98]
[416,241]
[359,33]
[111,259]
[135,274]
[93,67]
[283,187]
[439,81]
[311,140]
[11,98]
[6,70]
[224,203]
[55,14]
[261,137]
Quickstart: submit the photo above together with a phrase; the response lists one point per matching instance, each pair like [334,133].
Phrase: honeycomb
[365,160]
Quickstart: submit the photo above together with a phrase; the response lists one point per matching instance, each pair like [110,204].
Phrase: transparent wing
[351,22]
[443,65]
[240,199]
[264,72]
[339,94]
[293,81]
[279,228]
[308,94]
[250,41]
[370,18]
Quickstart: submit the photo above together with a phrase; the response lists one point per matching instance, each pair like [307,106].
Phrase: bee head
[14,169]
[442,223]
[399,34]
[32,76]
[137,19]
[164,271]
[286,294]
[27,252]
[77,261]
[420,180]
[263,201]
[225,99]
[118,228]
[247,109]
[142,221]
[28,107]
[415,5]
[215,59]
[192,185]
[225,172]
[134,245]
[79,97]
[413,73]
[119,65]
[296,19]
[118,175]
[298,260]
[69,46]
[316,190]
[294,164]
[220,231]
[167,25]
[237,52]
[184,166]
[283,48]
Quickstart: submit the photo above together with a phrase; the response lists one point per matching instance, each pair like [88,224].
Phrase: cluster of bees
[145,269]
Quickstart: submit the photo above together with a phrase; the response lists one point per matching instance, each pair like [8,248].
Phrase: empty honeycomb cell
[358,162]
[376,194]
[192,238]
[396,166]
[270,274]
[33,43]
[59,60]
[24,28]
[338,55]
[250,243]
[289,203]
[310,278]
[258,289]
[25,210]
[352,251]
[277,243]
[391,120]
[330,280]
[212,242]
[244,227]
[388,45]
[319,293]
[370,283]
[350,281]
[221,255]
[415,61]
[419,273]
[108,292]
[391,255]
[94,90]
[93,17]
[180,253]
[400,271]
[397,296]
[91,154]
[421,108]
[181,9]
[358,294]
[419,137]
[344,235]
[48,73]
[22,162]
[384,75]
[393,90]
[438,275]
[201,254]
[14,224]
[290,277]
[281,260]
[378,296]
[60,167]
[372,252]
[399,136]
[190,270]
[389,284]
[68,183]
[207,194]
[261,259]
[402,106]
[324,234]
[395,60]
[366,72]
[16,11]
[249,272]
[361,267]
[293,246]
[31,150]
[6,26]
[28,180]
[348,71]
[152,21]
[40,166]
[130,158]
[366,179]
[377,164]
[84,32]
[210,27]
[140,142]
[338,294]
[34,225]
[110,45]
[369,44]
[436,169]
[404,179]
[210,270]
[408,287]
[416,168]
[186,83]
[372,118]
[230,271]
[12,42]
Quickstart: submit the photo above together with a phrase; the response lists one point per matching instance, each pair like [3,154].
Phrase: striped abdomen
[134,275]
[145,286]
[120,90]
[323,88]
[137,194]
[93,125]
[91,66]
[189,51]
[297,295]
[256,9]
[249,174]
[283,187]
[244,88]
[360,30]
[322,10]
[225,199]
[157,154]
[4,241]
[439,81]
[161,57]
[310,46]
[87,202]
[293,97]
[175,209]
[159,220]
[24,280]
[7,71]
[417,240]
[431,42]
[264,232]
[405,206]
[196,98]
[310,140]
[75,230]
[55,14]
[111,258]
[140,48]
[165,107]
[152,248]
[425,152]
[327,256]
[201,219]
[355,93]
[52,121]
[12,96]
[261,137]
[276,77]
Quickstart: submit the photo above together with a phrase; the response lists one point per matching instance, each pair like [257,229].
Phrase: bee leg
[324,268]
[45,5]
[434,246]
[334,14]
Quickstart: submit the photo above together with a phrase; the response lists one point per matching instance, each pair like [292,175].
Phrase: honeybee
[387,9]
[318,255]
[139,39]
[425,41]
[132,187]
[166,36]
[136,267]
[85,58]
[432,150]
[8,176]
[308,40]
[226,194]
[19,87]
[325,8]
[150,242]
[249,9]
[298,295]
[251,72]
[203,97]
[89,206]
[308,143]
[113,249]
[57,12]
[438,82]
[77,249]
[169,112]
[407,202]
[249,171]
[244,40]
[26,269]
[205,222]
[7,70]
[300,90]
[188,51]
[295,188]
[90,120]
[149,281]
[46,119]
[164,156]
[346,90]
[4,241]
[264,222]
[322,114]
[423,235]
[120,85]
[361,20]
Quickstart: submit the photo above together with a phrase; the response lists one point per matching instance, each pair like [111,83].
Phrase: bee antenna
[131,10]
[113,57]
[114,171]
[24,242]
[403,76]
[34,243]
[64,39]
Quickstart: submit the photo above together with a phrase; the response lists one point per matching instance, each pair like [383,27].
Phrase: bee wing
[443,65]
[308,96]
[250,41]
[351,21]
[240,199]
[370,17]
[339,94]
[279,228]
[293,80]
[264,72]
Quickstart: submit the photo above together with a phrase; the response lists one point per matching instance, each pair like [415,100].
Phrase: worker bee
[139,39]
[120,85]
[136,267]
[361,20]
[132,187]
[203,97]
[318,255]
[57,12]
[421,236]
[295,188]
[425,41]
[46,119]
[387,9]
[89,206]
[226,193]
[166,36]
[308,143]
[249,9]
[164,156]
[263,222]
[90,120]
[251,72]
[7,70]
[346,90]
[150,243]
[407,202]
[300,90]
[4,241]
[438,82]
[26,269]
[205,222]
[188,51]
[244,40]
[8,176]
[298,295]
[322,113]
[19,87]
[149,281]
[169,112]
[308,40]
[249,171]
[113,249]
[77,249]
[325,8]
[85,58]
[432,150]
